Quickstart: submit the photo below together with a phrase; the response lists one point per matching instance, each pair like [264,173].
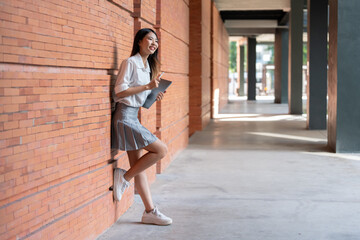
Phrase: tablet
[163,85]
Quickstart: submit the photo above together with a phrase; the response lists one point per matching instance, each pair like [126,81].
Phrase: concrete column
[281,65]
[241,91]
[295,57]
[284,65]
[317,63]
[344,72]
[237,67]
[251,64]
[277,48]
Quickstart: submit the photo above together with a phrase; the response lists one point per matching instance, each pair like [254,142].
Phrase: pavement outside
[254,173]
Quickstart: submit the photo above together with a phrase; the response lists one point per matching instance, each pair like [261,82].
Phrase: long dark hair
[153,58]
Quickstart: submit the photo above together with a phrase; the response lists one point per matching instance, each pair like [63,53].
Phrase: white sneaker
[155,217]
[120,184]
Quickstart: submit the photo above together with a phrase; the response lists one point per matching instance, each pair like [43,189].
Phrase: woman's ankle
[126,177]
[148,211]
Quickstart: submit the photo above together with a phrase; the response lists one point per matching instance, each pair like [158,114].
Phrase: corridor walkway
[254,173]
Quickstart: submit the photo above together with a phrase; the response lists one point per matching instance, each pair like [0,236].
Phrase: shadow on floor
[268,179]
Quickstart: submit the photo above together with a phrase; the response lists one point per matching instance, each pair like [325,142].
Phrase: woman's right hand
[154,83]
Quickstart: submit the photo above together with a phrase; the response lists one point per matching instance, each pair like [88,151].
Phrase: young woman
[137,76]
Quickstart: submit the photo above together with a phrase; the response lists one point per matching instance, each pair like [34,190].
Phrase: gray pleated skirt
[127,132]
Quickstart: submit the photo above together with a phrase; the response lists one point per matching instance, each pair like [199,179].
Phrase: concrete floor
[254,173]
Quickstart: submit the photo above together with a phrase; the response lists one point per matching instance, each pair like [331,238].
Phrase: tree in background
[305,54]
[232,57]
[270,48]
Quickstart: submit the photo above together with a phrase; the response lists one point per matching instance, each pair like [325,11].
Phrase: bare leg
[156,151]
[141,182]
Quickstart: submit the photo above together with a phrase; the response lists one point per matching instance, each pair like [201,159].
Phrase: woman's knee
[161,150]
[164,150]
[158,148]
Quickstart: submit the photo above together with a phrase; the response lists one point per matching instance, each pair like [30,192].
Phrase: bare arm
[134,90]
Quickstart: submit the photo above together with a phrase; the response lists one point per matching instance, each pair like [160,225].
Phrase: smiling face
[148,44]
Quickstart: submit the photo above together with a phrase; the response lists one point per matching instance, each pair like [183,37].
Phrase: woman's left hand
[160,96]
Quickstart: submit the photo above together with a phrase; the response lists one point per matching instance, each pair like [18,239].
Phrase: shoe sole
[116,181]
[154,223]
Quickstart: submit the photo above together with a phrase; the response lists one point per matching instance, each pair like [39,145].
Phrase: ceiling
[235,5]
[250,23]
[253,17]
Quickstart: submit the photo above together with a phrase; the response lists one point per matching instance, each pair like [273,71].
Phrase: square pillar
[317,63]
[284,65]
[241,69]
[251,64]
[295,57]
[281,65]
[344,72]
[277,48]
[199,67]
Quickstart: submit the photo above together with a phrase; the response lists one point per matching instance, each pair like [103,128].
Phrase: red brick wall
[58,63]
[220,62]
[200,55]
[55,116]
[173,110]
[208,72]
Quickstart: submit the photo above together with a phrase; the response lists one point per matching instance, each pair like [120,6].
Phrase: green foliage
[270,48]
[232,57]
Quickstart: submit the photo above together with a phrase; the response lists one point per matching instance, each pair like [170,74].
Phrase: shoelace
[125,185]
[158,213]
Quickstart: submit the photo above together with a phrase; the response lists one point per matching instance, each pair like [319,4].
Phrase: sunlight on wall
[216,103]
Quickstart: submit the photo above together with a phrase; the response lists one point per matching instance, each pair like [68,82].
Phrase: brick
[28,139]
[13,141]
[11,108]
[21,212]
[12,174]
[11,125]
[6,152]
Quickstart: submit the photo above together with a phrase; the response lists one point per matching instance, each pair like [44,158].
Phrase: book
[163,85]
